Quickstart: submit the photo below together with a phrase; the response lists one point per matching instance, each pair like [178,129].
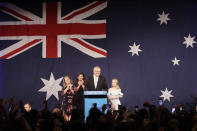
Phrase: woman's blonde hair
[64,82]
[117,83]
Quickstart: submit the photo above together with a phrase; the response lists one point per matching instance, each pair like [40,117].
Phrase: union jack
[52,29]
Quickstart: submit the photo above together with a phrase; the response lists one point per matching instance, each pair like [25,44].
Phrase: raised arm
[72,90]
[64,91]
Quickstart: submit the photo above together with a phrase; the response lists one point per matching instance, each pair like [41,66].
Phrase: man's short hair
[96,67]
[28,103]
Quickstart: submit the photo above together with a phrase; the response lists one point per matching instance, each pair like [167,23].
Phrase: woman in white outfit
[114,93]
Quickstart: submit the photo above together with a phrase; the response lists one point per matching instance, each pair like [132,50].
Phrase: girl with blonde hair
[114,93]
[67,94]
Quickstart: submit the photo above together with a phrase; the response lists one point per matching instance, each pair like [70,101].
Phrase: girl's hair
[117,83]
[79,75]
[64,82]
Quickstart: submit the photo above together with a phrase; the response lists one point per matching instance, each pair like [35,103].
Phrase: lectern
[91,97]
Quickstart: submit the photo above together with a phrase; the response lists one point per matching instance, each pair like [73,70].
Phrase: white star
[135,49]
[189,41]
[163,18]
[51,87]
[166,95]
[175,61]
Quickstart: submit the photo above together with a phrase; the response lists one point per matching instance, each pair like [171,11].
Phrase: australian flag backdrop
[150,47]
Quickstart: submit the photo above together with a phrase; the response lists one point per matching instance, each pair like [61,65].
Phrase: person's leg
[65,116]
[68,117]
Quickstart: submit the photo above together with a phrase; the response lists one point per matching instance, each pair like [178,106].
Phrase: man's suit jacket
[101,85]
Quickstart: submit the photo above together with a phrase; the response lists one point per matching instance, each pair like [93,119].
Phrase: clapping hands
[69,87]
[80,83]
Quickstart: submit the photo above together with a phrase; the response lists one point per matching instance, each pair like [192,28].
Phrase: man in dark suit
[96,82]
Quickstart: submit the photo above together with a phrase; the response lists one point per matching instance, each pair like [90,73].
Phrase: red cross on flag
[53,29]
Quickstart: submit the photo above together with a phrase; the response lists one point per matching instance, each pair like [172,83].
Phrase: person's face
[114,83]
[67,80]
[27,107]
[97,72]
[80,77]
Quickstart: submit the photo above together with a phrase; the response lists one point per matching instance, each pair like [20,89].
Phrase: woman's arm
[115,97]
[120,94]
[65,90]
[80,83]
[77,88]
[72,91]
[83,86]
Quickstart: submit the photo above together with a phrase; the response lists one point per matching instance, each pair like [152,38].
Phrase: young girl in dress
[114,93]
[67,94]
